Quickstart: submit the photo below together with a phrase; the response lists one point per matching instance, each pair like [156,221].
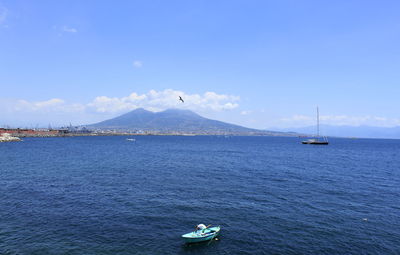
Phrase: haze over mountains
[174,121]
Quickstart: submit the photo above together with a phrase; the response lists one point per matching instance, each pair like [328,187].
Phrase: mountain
[174,121]
[350,131]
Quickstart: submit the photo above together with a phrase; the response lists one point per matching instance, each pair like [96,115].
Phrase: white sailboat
[318,140]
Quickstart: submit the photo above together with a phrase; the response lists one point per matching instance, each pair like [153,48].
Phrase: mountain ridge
[174,121]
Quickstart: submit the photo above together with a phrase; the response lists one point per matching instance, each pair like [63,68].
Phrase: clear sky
[260,64]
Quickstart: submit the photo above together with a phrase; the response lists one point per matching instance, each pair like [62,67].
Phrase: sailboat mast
[317,122]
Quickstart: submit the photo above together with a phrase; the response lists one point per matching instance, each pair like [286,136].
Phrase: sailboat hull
[316,143]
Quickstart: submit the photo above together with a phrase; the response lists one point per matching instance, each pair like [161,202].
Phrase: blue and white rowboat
[201,235]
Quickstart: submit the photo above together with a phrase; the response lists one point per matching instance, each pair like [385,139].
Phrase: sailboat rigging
[317,140]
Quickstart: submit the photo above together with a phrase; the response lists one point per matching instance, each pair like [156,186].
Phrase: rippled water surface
[106,195]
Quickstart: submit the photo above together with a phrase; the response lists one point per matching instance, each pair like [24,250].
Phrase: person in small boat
[201,228]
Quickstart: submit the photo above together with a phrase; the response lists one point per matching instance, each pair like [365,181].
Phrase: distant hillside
[350,131]
[174,121]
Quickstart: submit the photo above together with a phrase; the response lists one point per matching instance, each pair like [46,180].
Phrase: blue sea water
[270,195]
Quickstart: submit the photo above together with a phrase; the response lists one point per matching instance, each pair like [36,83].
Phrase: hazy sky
[260,64]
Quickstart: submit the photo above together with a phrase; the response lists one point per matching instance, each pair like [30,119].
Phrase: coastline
[147,134]
[67,133]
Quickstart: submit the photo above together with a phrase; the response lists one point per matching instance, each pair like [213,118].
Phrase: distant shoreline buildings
[65,132]
[24,132]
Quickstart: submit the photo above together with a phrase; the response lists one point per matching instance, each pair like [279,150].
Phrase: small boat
[201,235]
[317,140]
[131,139]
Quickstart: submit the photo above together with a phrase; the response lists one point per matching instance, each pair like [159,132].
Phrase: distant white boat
[318,140]
[131,139]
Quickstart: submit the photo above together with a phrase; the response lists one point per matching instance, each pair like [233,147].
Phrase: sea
[270,195]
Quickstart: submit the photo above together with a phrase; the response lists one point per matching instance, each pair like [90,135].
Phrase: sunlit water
[107,195]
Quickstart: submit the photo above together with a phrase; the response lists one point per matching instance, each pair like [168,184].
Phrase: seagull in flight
[180,98]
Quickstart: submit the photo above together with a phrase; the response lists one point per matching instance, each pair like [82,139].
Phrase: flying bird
[180,98]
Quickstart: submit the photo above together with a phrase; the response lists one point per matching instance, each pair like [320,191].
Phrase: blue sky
[260,64]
